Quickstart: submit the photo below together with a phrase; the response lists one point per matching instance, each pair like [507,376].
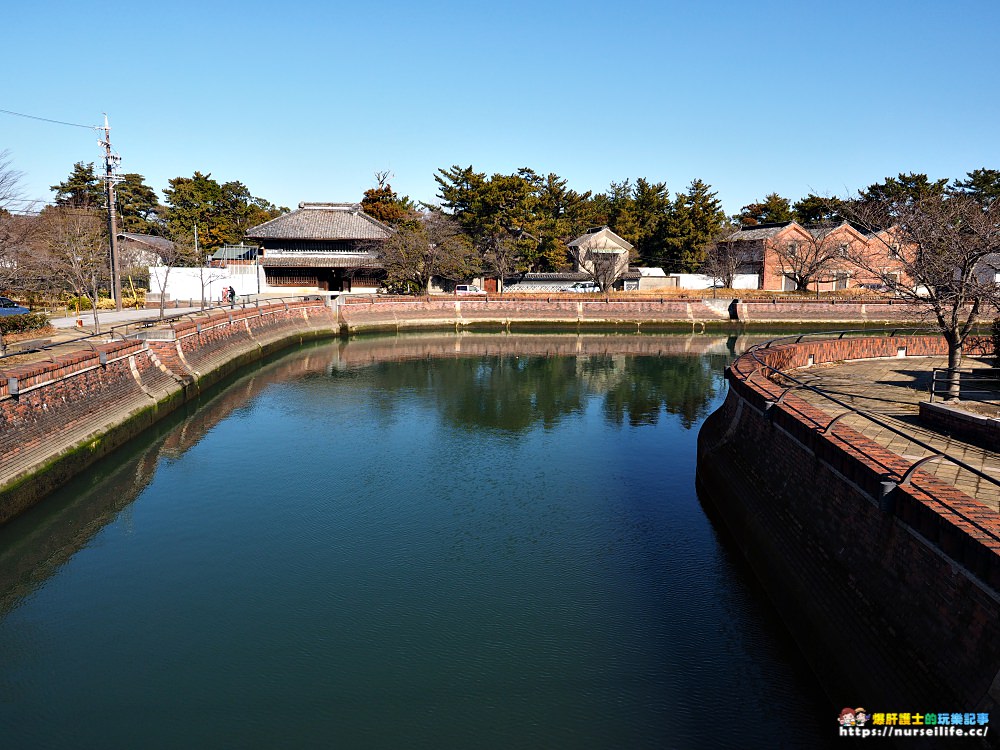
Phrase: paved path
[891,389]
[113,317]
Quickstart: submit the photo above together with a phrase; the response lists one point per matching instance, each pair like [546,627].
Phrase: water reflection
[520,380]
[421,541]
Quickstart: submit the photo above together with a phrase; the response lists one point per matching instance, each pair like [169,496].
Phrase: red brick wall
[57,417]
[428,311]
[900,605]
[783,310]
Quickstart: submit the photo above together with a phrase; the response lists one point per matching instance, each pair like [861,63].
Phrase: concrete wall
[894,598]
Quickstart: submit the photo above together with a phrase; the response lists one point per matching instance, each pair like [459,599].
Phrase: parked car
[10,307]
[582,287]
[468,289]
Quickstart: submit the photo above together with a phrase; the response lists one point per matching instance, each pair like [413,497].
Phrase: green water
[414,542]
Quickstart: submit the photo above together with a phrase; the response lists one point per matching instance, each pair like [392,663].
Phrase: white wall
[701,281]
[187,283]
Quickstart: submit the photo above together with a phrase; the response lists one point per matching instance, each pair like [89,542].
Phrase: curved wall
[892,591]
[58,417]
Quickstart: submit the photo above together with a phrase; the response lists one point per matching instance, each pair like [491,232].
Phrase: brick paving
[892,389]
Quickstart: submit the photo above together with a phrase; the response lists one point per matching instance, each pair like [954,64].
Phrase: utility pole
[111,177]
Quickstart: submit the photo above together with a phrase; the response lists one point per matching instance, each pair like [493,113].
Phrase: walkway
[891,389]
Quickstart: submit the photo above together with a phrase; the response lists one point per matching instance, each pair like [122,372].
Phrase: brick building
[783,252]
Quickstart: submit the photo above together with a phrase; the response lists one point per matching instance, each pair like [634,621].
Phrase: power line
[46,119]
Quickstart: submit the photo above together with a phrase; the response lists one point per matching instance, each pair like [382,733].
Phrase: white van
[467,289]
[582,287]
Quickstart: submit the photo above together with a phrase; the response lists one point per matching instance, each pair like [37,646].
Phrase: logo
[857,722]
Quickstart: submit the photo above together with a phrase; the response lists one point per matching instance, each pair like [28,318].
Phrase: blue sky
[306,101]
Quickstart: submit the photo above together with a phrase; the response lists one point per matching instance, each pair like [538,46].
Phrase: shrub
[10,324]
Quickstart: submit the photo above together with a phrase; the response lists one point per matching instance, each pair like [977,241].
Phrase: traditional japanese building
[325,246]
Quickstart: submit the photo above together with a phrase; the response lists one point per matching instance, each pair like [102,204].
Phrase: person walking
[232,298]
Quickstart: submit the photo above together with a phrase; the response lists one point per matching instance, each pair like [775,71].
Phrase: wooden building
[325,246]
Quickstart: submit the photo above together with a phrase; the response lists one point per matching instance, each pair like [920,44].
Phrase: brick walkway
[891,389]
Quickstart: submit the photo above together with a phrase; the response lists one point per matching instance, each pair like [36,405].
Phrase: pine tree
[82,189]
[773,209]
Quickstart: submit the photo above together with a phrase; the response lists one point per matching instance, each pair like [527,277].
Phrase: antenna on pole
[111,178]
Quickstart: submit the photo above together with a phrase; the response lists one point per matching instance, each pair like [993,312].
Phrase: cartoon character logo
[860,716]
[847,717]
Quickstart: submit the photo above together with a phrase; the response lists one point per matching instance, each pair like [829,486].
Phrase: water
[429,541]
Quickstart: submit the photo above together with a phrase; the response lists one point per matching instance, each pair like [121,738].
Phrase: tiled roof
[758,231]
[322,221]
[320,261]
[159,244]
[235,252]
[598,239]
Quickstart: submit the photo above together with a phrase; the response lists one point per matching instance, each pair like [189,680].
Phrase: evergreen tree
[772,210]
[82,189]
[696,221]
[814,209]
[905,189]
[982,184]
[138,207]
[562,215]
[383,204]
[223,213]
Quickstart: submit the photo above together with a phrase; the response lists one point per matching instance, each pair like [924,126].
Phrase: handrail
[961,376]
[849,409]
[122,329]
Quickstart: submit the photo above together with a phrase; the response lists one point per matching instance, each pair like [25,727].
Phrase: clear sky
[306,101]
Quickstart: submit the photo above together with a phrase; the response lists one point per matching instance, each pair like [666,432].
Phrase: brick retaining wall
[804,311]
[458,312]
[895,596]
[57,417]
[362,313]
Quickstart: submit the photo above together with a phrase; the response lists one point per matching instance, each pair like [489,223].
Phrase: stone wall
[892,591]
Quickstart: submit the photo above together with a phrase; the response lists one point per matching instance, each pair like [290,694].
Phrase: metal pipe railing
[907,476]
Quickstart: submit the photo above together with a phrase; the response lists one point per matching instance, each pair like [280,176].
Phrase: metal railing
[943,379]
[123,331]
[849,410]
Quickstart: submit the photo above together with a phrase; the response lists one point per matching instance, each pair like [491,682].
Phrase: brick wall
[57,417]
[804,311]
[894,597]
[429,311]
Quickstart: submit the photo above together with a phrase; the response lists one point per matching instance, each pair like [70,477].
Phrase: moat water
[429,541]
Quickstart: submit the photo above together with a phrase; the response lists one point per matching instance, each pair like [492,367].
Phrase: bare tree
[178,253]
[726,257]
[76,242]
[15,228]
[604,263]
[814,254]
[432,244]
[502,253]
[939,252]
